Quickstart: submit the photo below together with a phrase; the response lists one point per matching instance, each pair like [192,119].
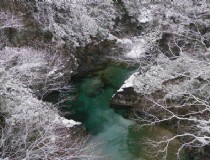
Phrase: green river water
[92,106]
[117,135]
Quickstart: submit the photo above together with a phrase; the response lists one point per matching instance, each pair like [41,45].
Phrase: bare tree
[9,20]
[176,93]
[174,88]
[189,117]
[43,139]
[40,70]
[30,128]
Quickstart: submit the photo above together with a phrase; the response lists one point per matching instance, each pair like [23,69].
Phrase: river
[92,105]
[118,137]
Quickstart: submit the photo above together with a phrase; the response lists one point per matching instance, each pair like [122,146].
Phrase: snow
[136,51]
[203,140]
[145,16]
[52,72]
[80,22]
[9,20]
[112,37]
[24,65]
[136,45]
[67,123]
[139,46]
[124,41]
[129,82]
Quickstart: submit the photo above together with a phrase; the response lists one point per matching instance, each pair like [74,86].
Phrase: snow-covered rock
[129,82]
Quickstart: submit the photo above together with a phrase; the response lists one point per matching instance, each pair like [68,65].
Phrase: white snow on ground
[67,123]
[129,82]
[21,105]
[145,16]
[123,40]
[138,49]
[137,46]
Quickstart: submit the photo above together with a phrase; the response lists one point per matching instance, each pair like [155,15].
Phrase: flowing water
[92,105]
[117,135]
[120,141]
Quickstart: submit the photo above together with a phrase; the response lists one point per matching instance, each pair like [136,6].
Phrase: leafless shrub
[43,139]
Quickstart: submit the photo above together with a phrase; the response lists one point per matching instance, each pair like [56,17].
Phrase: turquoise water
[118,138]
[92,105]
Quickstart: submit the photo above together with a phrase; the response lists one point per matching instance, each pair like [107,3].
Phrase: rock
[125,99]
[92,57]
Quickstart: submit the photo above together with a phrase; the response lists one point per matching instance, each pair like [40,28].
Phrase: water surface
[119,138]
[92,105]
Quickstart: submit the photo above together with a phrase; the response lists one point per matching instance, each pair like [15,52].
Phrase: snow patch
[67,123]
[146,16]
[125,41]
[129,82]
[138,49]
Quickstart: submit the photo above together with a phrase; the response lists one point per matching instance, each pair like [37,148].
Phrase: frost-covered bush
[177,93]
[32,129]
[76,22]
[161,76]
[9,20]
[40,70]
[174,88]
[182,26]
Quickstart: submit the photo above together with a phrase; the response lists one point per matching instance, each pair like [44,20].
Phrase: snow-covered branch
[175,93]
[43,139]
[33,129]
[10,20]
[189,116]
[41,70]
